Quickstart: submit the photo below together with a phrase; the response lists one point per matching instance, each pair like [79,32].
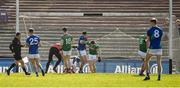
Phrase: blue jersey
[155,35]
[33,42]
[82,46]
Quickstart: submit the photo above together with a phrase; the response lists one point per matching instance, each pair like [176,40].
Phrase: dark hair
[31,30]
[18,33]
[154,21]
[84,33]
[64,30]
[93,42]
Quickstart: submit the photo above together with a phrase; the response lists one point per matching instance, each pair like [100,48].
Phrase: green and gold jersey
[142,44]
[66,41]
[93,48]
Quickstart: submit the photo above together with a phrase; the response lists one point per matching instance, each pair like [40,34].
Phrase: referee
[15,48]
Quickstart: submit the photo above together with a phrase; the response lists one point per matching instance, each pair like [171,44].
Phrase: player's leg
[148,57]
[90,62]
[143,56]
[59,57]
[16,57]
[159,66]
[51,53]
[94,66]
[94,63]
[66,57]
[33,62]
[68,63]
[142,67]
[11,66]
[91,66]
[81,65]
[23,67]
[83,57]
[39,64]
[65,61]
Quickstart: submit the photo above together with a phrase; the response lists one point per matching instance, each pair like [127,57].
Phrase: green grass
[88,80]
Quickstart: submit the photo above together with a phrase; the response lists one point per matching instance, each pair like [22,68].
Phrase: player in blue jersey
[82,50]
[154,36]
[33,42]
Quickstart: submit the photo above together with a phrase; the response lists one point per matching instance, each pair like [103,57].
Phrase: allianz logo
[134,70]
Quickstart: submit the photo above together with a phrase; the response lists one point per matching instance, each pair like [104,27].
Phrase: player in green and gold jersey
[66,41]
[142,51]
[94,55]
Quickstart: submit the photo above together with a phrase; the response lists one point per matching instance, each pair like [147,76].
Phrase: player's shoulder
[14,39]
[150,29]
[81,37]
[37,36]
[69,35]
[28,37]
[160,28]
[97,45]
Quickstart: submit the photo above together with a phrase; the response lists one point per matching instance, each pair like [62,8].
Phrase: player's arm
[60,51]
[27,44]
[22,45]
[148,38]
[11,47]
[62,41]
[40,44]
[87,42]
[147,41]
[99,54]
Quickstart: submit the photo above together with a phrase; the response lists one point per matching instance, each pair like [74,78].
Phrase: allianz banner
[105,66]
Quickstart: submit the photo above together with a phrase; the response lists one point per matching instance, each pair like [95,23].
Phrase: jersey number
[33,41]
[68,41]
[156,34]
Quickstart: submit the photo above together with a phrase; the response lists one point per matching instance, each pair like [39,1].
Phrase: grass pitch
[87,80]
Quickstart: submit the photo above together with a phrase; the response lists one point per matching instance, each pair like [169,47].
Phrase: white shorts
[142,54]
[82,53]
[92,57]
[32,56]
[65,53]
[155,51]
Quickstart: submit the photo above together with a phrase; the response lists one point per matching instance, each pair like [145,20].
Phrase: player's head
[93,42]
[153,21]
[84,33]
[178,21]
[18,35]
[64,30]
[31,31]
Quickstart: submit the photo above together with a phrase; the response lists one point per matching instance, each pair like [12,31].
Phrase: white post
[170,34]
[17,16]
